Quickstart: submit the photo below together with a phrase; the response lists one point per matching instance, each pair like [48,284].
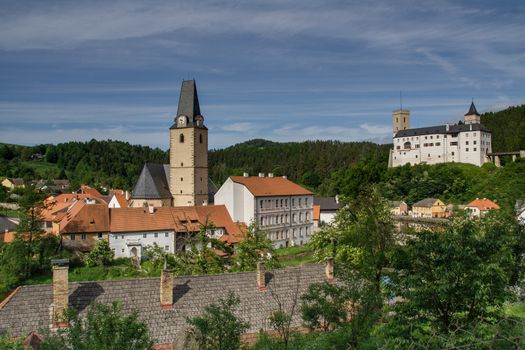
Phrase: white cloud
[238,127]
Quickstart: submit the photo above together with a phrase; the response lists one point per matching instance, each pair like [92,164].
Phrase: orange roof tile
[219,216]
[121,199]
[317,212]
[180,219]
[270,186]
[82,217]
[84,189]
[483,204]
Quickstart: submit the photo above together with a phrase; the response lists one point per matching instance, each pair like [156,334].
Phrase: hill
[508,128]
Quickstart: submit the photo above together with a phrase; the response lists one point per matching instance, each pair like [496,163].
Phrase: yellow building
[12,183]
[429,208]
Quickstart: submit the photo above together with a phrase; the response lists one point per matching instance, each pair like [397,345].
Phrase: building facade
[465,142]
[276,205]
[429,208]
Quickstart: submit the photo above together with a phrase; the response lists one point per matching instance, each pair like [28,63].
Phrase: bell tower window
[200,138]
[181,138]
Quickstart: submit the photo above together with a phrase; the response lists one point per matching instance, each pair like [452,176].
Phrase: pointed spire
[189,100]
[472,110]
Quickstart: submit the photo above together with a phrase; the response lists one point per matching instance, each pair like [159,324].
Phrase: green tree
[100,255]
[361,237]
[452,280]
[105,327]
[323,306]
[30,228]
[218,328]
[249,250]
[7,343]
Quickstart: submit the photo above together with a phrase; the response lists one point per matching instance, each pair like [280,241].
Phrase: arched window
[200,138]
[181,138]
[407,145]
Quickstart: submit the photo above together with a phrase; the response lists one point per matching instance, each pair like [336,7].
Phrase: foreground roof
[28,308]
[441,129]
[270,186]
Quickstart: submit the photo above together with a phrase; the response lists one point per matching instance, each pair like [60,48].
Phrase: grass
[295,256]
[43,169]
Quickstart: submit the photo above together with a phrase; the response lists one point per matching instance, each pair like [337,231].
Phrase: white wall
[327,218]
[122,243]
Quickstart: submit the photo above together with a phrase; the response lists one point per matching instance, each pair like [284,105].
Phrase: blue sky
[280,70]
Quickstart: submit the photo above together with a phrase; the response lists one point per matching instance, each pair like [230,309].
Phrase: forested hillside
[508,128]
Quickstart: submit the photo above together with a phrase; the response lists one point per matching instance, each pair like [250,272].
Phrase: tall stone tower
[189,150]
[472,116]
[400,120]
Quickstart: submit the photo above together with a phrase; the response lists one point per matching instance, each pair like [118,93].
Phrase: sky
[279,70]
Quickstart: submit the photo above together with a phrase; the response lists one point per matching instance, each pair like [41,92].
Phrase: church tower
[189,150]
[400,120]
[472,116]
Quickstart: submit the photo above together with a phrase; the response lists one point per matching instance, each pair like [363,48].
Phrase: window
[452,153]
[181,179]
[181,138]
[398,147]
[438,143]
[83,237]
[416,155]
[475,142]
[122,236]
[122,250]
[156,235]
[181,164]
[454,143]
[166,247]
[166,234]
[466,149]
[144,235]
[475,149]
[72,236]
[99,235]
[200,138]
[466,143]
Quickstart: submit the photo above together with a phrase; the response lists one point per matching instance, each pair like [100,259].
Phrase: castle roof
[442,129]
[472,110]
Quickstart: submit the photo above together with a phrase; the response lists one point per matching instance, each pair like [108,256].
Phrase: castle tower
[400,120]
[189,150]
[472,116]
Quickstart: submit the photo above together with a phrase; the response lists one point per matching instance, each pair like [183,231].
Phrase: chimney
[337,198]
[261,276]
[285,177]
[166,289]
[447,127]
[261,174]
[470,127]
[60,292]
[329,269]
[270,174]
[127,195]
[245,174]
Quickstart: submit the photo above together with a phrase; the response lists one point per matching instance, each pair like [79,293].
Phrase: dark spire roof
[153,182]
[472,110]
[189,100]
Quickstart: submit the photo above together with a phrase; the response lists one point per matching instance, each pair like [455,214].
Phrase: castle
[469,141]
[184,181]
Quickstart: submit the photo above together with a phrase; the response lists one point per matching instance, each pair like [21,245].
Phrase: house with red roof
[480,207]
[278,206]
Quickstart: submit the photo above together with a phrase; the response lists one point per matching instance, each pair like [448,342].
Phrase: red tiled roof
[483,204]
[82,217]
[219,216]
[84,189]
[270,186]
[180,219]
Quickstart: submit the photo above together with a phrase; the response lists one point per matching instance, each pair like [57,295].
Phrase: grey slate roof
[472,110]
[327,203]
[427,202]
[7,224]
[153,182]
[441,129]
[28,310]
[188,102]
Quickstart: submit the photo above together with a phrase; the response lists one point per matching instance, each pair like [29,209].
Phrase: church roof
[153,182]
[472,110]
[442,129]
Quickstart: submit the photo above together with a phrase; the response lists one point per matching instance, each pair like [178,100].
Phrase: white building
[465,142]
[278,206]
[171,228]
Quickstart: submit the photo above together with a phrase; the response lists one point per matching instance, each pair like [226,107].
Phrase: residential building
[278,206]
[55,207]
[171,228]
[398,208]
[328,206]
[429,208]
[164,303]
[466,142]
[118,199]
[480,207]
[83,224]
[12,183]
[184,181]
